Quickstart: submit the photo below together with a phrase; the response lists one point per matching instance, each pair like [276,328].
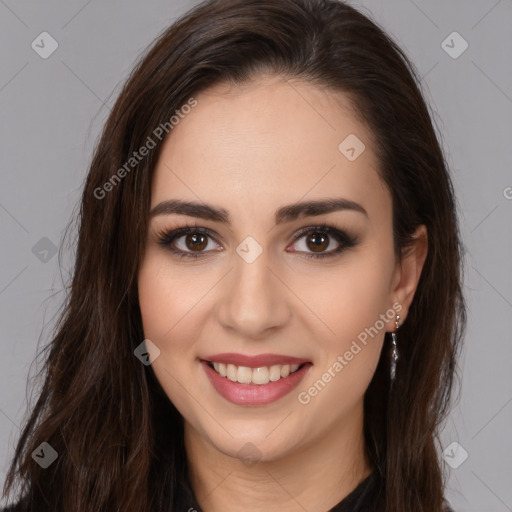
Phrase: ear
[407,275]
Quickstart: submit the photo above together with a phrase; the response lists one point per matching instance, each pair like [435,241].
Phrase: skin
[251,150]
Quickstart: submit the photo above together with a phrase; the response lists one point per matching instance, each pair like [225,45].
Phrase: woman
[266,307]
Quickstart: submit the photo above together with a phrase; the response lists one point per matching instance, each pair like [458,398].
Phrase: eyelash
[166,238]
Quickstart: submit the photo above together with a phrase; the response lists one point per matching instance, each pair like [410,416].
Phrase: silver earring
[394,353]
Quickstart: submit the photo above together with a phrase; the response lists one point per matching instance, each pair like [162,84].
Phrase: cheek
[163,308]
[348,359]
[358,300]
[165,297]
[155,301]
[351,299]
[166,305]
[174,309]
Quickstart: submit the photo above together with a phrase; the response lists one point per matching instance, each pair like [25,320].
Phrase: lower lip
[254,394]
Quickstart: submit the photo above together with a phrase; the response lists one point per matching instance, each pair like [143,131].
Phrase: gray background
[53,109]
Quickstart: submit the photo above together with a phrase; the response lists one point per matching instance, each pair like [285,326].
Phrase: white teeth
[261,375]
[232,372]
[275,372]
[244,375]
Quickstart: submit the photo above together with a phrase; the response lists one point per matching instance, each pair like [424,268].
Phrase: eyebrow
[285,213]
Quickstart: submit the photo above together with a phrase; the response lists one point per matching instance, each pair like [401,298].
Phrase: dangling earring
[394,353]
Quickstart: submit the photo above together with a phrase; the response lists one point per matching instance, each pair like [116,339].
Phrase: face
[314,288]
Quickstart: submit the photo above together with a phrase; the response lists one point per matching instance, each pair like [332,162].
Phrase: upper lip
[254,361]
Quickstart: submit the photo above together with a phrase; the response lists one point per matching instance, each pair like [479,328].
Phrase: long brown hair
[118,437]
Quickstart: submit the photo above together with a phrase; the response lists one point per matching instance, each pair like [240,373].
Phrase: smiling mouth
[259,376]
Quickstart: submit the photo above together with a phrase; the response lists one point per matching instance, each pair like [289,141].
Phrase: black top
[357,501]
[362,499]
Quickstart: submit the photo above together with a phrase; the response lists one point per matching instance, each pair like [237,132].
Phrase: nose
[255,299]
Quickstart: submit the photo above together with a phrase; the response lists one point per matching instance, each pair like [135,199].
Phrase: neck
[314,477]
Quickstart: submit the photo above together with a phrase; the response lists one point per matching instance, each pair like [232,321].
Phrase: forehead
[269,142]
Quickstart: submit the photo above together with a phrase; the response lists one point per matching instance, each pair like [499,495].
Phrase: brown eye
[192,242]
[187,242]
[196,241]
[317,242]
[318,239]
